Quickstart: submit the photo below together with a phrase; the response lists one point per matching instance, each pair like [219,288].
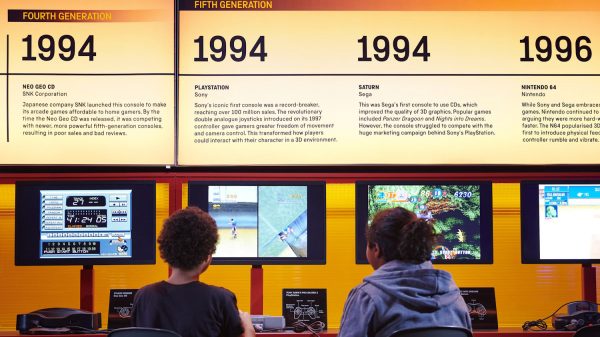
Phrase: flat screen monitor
[266,222]
[462,211]
[85,222]
[560,222]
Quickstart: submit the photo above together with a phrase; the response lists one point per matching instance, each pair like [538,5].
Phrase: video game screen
[560,222]
[461,214]
[264,223]
[85,223]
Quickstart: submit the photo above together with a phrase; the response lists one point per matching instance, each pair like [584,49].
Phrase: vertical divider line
[176,79]
[257,221]
[7,75]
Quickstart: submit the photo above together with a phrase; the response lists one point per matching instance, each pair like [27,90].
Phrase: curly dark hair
[188,237]
[401,235]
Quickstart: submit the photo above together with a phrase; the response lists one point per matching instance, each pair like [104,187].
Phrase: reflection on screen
[569,221]
[456,209]
[85,223]
[260,221]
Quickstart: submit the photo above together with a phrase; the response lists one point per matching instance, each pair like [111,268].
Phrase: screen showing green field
[455,209]
[260,221]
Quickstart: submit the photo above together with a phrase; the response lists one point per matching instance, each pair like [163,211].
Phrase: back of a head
[188,237]
[401,235]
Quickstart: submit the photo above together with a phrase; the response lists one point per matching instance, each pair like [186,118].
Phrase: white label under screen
[569,218]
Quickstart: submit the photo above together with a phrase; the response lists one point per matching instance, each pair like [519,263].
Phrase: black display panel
[85,223]
[462,210]
[560,221]
[265,222]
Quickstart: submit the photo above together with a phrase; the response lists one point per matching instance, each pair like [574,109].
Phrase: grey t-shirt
[193,309]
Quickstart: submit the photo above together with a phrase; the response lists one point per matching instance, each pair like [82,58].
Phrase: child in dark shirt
[182,303]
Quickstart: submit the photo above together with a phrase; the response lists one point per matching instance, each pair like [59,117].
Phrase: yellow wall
[523,292]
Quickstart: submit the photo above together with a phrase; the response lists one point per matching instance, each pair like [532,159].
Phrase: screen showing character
[235,209]
[569,221]
[455,208]
[271,222]
[85,223]
[282,219]
[260,221]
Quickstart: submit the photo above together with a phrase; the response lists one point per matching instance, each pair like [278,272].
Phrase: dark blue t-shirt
[193,309]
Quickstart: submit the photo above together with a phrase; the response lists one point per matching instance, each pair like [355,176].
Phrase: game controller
[575,320]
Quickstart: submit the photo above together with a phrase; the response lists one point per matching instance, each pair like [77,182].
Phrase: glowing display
[75,223]
[461,214]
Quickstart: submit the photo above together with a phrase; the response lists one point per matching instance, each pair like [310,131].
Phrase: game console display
[82,223]
[85,223]
[560,222]
[462,211]
[268,222]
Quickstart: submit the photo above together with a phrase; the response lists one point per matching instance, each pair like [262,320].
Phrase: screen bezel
[316,223]
[486,229]
[530,225]
[27,221]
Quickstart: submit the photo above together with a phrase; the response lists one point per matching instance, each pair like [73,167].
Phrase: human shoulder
[150,288]
[149,293]
[362,292]
[217,291]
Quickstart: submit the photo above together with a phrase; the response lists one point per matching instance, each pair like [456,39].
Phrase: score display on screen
[461,213]
[85,222]
[271,222]
[86,200]
[77,223]
[560,222]
[86,218]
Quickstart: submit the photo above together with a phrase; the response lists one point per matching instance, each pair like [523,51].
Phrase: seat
[142,332]
[588,331]
[446,331]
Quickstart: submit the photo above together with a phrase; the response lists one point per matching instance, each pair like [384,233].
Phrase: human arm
[247,325]
[235,322]
[138,307]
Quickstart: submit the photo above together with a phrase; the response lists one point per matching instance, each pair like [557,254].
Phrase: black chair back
[588,331]
[449,331]
[142,332]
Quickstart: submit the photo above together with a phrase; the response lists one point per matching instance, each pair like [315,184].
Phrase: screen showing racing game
[270,222]
[560,222]
[85,223]
[460,211]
